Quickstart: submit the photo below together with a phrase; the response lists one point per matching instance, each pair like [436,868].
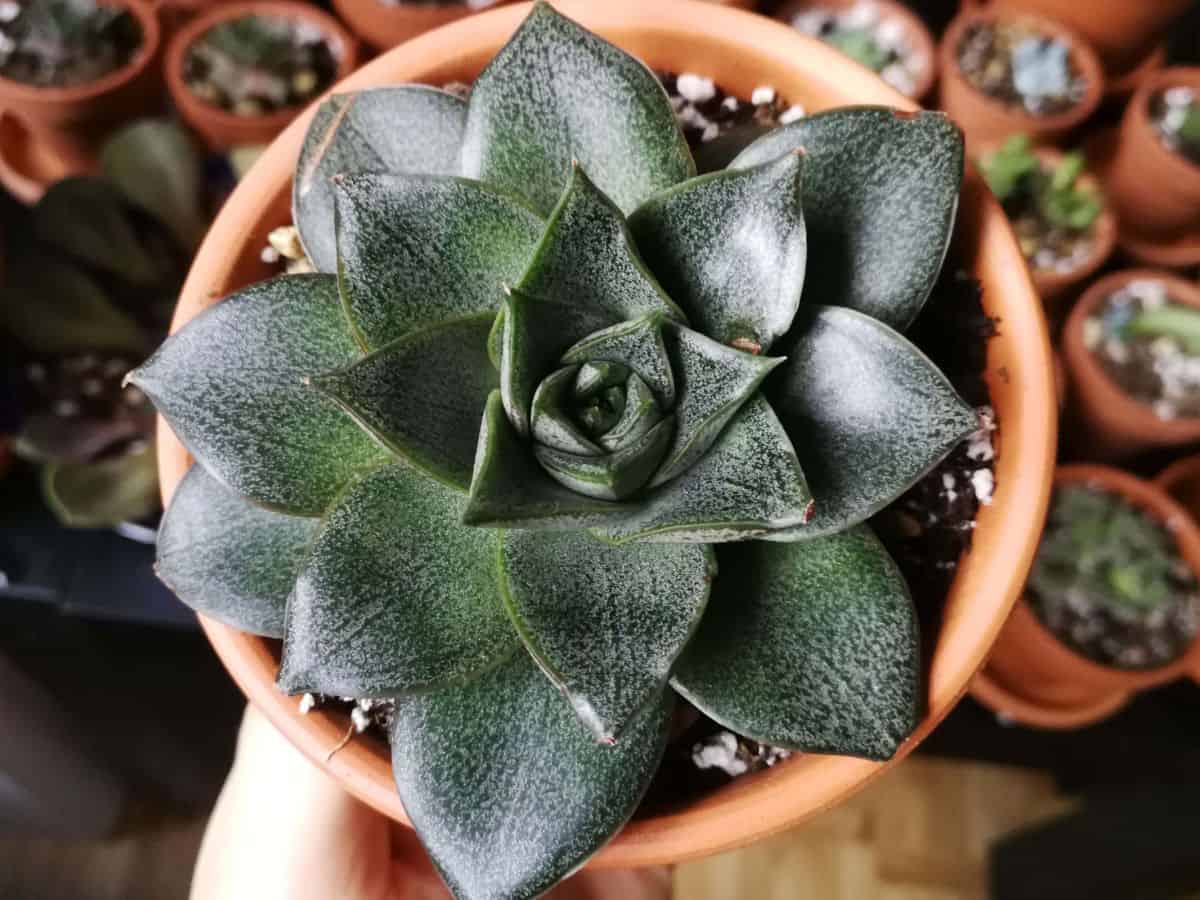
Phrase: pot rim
[145,11]
[1081,53]
[1152,499]
[341,42]
[1119,406]
[1137,115]
[749,49]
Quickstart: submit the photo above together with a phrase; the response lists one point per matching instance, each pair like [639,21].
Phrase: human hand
[284,829]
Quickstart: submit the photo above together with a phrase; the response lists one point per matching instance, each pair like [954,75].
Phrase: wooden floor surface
[920,833]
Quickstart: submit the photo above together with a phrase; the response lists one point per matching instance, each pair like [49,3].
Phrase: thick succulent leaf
[748,483]
[713,382]
[396,596]
[641,413]
[536,332]
[229,559]
[867,412]
[810,646]
[104,493]
[394,129]
[416,249]
[549,420]
[587,256]
[605,623]
[510,489]
[638,345]
[557,93]
[231,384]
[616,475]
[422,396]
[880,194]
[506,789]
[730,249]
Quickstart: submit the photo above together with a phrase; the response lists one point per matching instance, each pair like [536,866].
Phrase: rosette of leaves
[560,430]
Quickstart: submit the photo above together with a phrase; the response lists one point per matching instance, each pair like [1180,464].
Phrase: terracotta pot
[915,33]
[383,27]
[1155,191]
[1181,480]
[1031,664]
[985,119]
[221,129]
[63,126]
[1055,287]
[1111,424]
[740,51]
[174,14]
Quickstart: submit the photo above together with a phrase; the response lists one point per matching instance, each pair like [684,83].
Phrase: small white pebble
[307,702]
[695,88]
[763,95]
[793,113]
[1151,291]
[984,483]
[948,481]
[269,255]
[719,752]
[9,10]
[360,719]
[66,408]
[1178,96]
[811,21]
[1118,351]
[730,103]
[1165,409]
[711,132]
[861,15]
[1093,333]
[286,240]
[889,34]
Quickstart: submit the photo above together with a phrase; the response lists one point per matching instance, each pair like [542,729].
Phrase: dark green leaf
[811,646]
[748,483]
[510,489]
[641,413]
[587,257]
[605,623]
[638,345]
[506,789]
[550,421]
[557,93]
[231,384]
[422,396]
[105,493]
[229,559]
[868,413]
[730,249]
[713,381]
[615,475]
[397,595]
[880,193]
[395,129]
[417,249]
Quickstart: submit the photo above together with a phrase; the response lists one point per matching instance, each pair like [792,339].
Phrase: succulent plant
[57,43]
[1056,194]
[552,436]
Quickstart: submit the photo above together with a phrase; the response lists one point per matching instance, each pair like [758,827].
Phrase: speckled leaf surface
[231,384]
[422,396]
[613,476]
[557,93]
[416,249]
[587,256]
[397,595]
[749,482]
[638,345]
[394,129]
[229,559]
[810,646]
[880,195]
[712,381]
[867,412]
[510,489]
[730,249]
[507,790]
[605,623]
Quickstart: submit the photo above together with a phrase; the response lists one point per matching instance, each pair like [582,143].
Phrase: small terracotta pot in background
[1110,423]
[174,14]
[220,128]
[1181,480]
[985,119]
[1053,685]
[51,132]
[382,26]
[915,33]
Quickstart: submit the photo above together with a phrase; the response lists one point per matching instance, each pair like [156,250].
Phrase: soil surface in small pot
[1013,61]
[257,65]
[65,43]
[867,35]
[927,530]
[1175,115]
[1149,346]
[1110,584]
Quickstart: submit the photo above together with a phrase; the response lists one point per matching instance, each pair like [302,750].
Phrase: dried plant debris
[65,43]
[257,65]
[1052,213]
[1175,113]
[865,33]
[1109,582]
[1014,61]
[1149,344]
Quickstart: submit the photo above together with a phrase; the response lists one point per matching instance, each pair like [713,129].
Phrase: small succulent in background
[572,431]
[62,43]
